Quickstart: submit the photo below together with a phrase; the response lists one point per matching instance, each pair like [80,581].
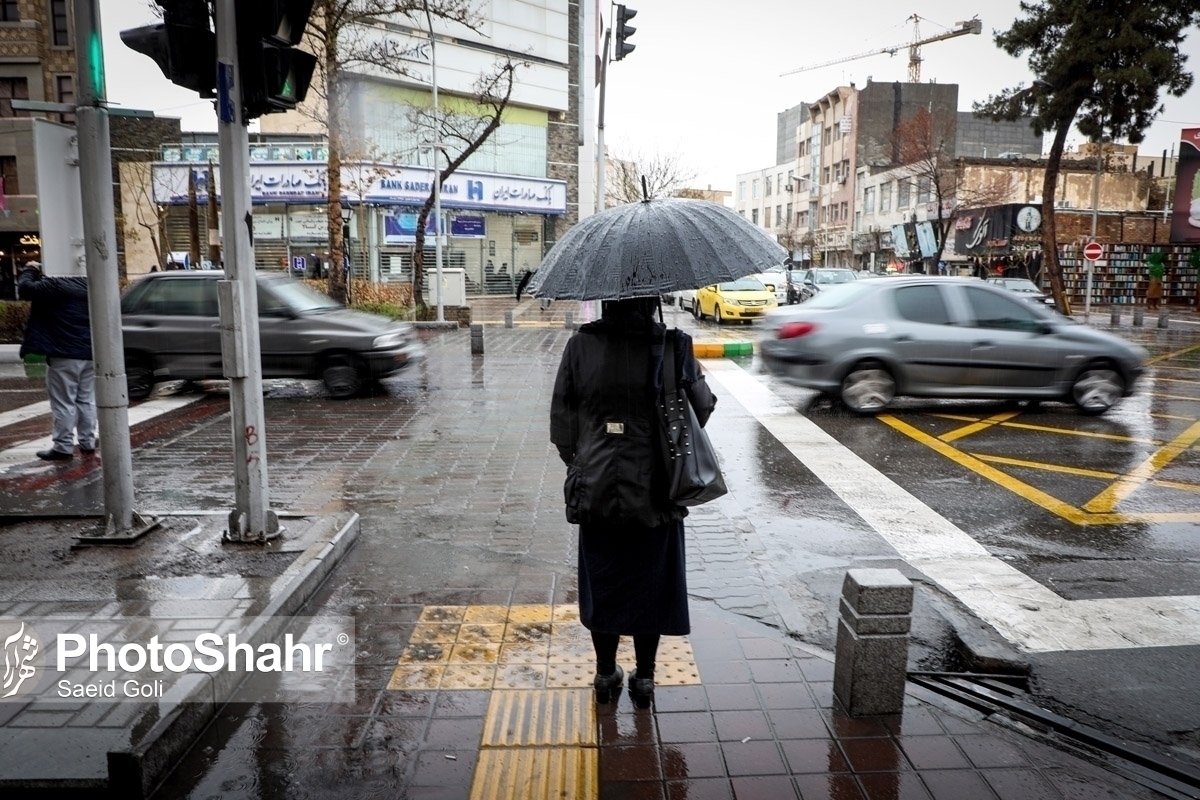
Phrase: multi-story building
[503,207]
[37,62]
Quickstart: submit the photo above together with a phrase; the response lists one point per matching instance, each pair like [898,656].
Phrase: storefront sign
[468,227]
[306,225]
[402,228]
[300,182]
[268,226]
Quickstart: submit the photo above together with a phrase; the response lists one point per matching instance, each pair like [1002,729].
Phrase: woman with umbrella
[604,421]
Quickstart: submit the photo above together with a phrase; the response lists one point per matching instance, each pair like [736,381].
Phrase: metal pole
[251,519]
[437,178]
[1091,265]
[601,159]
[104,298]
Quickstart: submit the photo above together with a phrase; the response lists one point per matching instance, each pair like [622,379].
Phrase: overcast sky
[705,81]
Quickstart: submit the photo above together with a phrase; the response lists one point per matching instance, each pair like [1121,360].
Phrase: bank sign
[307,182]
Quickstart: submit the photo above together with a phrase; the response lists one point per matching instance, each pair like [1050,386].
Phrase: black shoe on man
[54,455]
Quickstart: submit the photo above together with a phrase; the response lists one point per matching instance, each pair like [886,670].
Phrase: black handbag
[693,473]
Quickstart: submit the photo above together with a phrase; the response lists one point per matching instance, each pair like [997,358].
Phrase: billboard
[1185,214]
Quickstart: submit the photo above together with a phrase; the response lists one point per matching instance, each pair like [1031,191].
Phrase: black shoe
[607,686]
[641,690]
[54,455]
[87,451]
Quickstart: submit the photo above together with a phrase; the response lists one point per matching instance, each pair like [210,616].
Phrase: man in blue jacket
[60,329]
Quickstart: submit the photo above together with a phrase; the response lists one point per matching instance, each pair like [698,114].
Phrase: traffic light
[624,31]
[275,74]
[183,45]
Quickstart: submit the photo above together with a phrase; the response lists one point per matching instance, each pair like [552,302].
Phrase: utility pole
[104,299]
[251,519]
[601,158]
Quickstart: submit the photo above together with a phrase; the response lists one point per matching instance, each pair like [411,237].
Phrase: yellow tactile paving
[520,646]
[559,717]
[535,773]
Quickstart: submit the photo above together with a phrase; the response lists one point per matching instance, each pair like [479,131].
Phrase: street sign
[1093,251]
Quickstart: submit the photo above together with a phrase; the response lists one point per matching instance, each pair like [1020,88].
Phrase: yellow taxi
[744,299]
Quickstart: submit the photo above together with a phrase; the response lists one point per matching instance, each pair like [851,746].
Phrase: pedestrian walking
[59,328]
[604,418]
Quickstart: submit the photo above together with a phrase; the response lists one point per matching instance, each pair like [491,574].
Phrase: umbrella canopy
[653,247]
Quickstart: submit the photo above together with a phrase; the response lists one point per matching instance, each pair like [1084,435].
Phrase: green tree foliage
[1100,65]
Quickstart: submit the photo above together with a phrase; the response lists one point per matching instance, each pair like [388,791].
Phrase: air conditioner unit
[1062,204]
[842,180]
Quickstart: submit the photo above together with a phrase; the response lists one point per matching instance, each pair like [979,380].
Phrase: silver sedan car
[871,340]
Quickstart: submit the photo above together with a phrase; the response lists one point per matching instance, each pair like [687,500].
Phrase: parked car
[775,279]
[818,278]
[795,286]
[871,340]
[172,331]
[744,299]
[1027,289]
[684,300]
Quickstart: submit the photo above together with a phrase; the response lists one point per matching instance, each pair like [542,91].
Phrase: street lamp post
[347,215]
[437,179]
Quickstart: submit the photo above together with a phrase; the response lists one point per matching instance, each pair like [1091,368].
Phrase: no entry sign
[1093,251]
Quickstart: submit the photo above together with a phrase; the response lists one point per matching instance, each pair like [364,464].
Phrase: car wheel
[868,388]
[717,315]
[344,377]
[1097,389]
[697,309]
[139,377]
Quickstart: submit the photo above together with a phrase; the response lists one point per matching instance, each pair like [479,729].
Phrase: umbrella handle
[645,192]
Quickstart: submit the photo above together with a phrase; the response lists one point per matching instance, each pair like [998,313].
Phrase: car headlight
[389,340]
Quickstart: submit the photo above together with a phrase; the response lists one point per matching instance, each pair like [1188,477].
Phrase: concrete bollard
[871,660]
[1114,317]
[1137,318]
[476,339]
[508,319]
[569,320]
[1163,320]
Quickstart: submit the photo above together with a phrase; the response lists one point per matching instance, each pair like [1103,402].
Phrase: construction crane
[973,25]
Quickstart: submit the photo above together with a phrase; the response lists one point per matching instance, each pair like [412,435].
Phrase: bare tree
[143,210]
[665,174]
[924,147]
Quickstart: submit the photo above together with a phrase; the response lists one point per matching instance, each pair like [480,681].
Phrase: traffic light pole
[251,519]
[601,156]
[104,294]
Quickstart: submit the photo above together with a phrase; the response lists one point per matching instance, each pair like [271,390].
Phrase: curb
[723,349]
[136,772]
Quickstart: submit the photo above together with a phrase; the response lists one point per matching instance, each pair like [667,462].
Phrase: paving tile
[813,755]
[450,734]
[634,763]
[733,697]
[700,789]
[915,721]
[768,787]
[692,761]
[798,723]
[894,786]
[668,699]
[990,751]
[764,648]
[686,726]
[1019,784]
[445,768]
[785,695]
[737,725]
[724,672]
[834,787]
[461,704]
[874,755]
[933,752]
[956,784]
[626,729]
[753,758]
[630,790]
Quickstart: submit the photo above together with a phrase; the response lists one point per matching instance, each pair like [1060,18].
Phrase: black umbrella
[653,247]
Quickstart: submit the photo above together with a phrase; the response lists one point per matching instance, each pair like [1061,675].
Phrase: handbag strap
[669,364]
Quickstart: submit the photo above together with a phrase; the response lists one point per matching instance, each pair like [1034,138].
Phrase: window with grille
[12,89]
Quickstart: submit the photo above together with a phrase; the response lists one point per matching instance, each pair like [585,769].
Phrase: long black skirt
[633,580]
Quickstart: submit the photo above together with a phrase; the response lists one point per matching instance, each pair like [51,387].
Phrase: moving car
[871,340]
[1027,289]
[744,299]
[814,280]
[172,331]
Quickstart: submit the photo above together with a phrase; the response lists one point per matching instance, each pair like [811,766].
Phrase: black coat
[59,324]
[603,419]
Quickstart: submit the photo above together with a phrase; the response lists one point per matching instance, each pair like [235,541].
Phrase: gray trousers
[71,383]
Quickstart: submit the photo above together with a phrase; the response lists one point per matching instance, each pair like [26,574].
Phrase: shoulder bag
[693,473]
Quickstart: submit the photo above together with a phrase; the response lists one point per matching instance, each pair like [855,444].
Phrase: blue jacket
[59,324]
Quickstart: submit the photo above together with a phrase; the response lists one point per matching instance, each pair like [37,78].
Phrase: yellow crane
[973,25]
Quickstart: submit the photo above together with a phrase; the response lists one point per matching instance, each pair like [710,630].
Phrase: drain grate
[993,694]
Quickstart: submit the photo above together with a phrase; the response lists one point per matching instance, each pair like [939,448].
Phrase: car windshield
[833,276]
[301,297]
[838,296]
[743,285]
[796,276]
[1020,285]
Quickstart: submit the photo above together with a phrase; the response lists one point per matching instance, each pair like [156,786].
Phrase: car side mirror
[1046,328]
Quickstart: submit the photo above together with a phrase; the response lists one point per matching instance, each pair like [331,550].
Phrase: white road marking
[1026,613]
[27,451]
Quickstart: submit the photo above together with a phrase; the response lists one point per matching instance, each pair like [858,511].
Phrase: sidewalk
[472,670]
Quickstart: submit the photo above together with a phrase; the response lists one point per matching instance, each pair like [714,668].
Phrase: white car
[684,300]
[775,279]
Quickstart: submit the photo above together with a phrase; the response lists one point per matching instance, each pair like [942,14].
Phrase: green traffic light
[95,49]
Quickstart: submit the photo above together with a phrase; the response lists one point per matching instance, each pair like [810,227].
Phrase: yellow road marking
[1160,395]
[1164,379]
[1175,354]
[1127,484]
[976,427]
[1045,467]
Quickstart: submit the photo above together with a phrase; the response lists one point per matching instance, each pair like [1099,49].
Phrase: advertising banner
[1185,215]
[927,239]
[402,229]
